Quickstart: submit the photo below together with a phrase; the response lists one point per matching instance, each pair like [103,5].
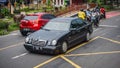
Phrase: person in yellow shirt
[81,14]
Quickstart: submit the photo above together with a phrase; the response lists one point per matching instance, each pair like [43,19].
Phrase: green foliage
[95,1]
[3,32]
[91,1]
[6,26]
[108,7]
[13,26]
[5,11]
[17,11]
[3,25]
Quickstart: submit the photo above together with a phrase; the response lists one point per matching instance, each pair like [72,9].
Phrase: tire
[88,35]
[23,33]
[64,47]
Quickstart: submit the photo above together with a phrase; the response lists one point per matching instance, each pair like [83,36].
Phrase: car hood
[48,35]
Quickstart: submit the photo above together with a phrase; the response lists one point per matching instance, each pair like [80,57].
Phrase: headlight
[27,39]
[54,42]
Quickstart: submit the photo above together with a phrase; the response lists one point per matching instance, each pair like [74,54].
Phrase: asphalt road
[102,51]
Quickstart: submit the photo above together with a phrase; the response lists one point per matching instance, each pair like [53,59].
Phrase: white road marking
[14,34]
[97,29]
[19,56]
[109,26]
[118,36]
[10,46]
[9,35]
[103,34]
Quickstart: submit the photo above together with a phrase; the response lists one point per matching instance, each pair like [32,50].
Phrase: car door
[74,32]
[82,29]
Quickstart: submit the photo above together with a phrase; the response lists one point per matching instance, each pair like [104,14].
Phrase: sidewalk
[112,13]
[69,14]
[108,14]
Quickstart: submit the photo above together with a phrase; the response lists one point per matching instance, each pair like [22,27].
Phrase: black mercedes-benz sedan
[58,35]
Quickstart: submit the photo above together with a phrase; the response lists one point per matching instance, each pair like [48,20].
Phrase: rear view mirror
[72,29]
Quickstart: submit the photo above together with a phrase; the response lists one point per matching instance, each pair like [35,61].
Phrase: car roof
[63,19]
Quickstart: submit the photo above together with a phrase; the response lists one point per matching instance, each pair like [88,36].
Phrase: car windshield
[57,26]
[30,17]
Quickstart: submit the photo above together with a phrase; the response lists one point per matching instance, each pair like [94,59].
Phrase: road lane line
[11,46]
[108,26]
[18,56]
[71,62]
[12,34]
[81,45]
[97,53]
[40,65]
[47,61]
[97,29]
[110,40]
[118,36]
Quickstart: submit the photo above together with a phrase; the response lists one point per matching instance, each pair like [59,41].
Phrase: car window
[51,16]
[81,22]
[77,23]
[30,17]
[55,25]
[48,16]
[74,24]
[45,17]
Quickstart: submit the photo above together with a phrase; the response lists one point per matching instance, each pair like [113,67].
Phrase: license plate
[26,29]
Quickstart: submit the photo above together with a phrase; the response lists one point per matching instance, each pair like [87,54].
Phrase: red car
[34,22]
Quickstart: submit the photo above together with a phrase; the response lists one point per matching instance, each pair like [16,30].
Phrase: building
[58,3]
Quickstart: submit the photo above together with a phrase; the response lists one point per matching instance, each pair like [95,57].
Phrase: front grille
[38,42]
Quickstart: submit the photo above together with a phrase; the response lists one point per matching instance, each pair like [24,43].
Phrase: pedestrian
[81,14]
[103,12]
[97,9]
[88,14]
[94,18]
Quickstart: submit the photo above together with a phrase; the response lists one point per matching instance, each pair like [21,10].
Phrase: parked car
[33,22]
[58,35]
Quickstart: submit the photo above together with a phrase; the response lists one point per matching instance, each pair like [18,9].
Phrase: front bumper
[44,49]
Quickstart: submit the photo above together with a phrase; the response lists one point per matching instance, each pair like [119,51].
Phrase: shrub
[4,25]
[25,9]
[3,32]
[7,26]
[5,11]
[17,11]
[13,26]
[108,7]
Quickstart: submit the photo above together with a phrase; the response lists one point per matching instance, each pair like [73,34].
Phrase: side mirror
[73,30]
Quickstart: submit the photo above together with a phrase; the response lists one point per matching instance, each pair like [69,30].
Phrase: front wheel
[64,47]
